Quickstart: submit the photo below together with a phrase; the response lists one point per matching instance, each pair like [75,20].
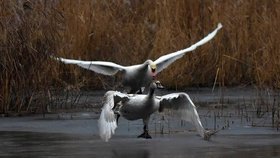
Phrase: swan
[140,106]
[137,76]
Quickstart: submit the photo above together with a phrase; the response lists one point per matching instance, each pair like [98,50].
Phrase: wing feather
[107,121]
[102,67]
[166,60]
[182,106]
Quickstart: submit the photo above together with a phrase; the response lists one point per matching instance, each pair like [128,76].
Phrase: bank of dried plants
[245,51]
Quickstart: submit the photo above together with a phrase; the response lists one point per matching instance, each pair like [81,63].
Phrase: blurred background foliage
[244,52]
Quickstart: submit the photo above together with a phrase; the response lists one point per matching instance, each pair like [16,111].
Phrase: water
[37,144]
[244,135]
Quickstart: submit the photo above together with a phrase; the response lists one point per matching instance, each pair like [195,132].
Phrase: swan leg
[145,133]
[139,91]
[116,110]
[208,134]
[118,116]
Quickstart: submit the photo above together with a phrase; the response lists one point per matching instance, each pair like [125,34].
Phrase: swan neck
[144,67]
[151,92]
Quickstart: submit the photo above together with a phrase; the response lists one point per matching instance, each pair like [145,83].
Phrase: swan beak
[153,73]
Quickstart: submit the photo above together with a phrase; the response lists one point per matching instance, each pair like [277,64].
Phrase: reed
[245,51]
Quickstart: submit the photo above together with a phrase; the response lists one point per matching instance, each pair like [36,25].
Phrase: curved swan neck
[145,65]
[151,92]
[148,62]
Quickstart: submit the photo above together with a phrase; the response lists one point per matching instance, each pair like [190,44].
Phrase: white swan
[139,106]
[137,76]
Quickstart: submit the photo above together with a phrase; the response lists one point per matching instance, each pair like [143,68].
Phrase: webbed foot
[208,134]
[145,135]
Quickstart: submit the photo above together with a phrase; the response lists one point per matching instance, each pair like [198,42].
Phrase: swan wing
[181,105]
[164,61]
[102,67]
[107,121]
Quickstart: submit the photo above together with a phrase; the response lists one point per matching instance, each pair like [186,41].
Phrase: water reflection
[29,144]
[136,153]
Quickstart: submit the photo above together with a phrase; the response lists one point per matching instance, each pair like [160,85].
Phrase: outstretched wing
[166,60]
[102,67]
[107,121]
[182,105]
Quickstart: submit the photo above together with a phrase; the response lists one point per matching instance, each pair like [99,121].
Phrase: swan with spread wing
[137,76]
[140,106]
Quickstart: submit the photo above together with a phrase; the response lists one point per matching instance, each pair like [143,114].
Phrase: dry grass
[246,50]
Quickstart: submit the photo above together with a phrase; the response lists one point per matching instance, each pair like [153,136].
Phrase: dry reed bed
[245,51]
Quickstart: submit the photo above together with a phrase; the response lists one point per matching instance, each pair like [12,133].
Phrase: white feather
[182,106]
[102,67]
[107,121]
[164,61]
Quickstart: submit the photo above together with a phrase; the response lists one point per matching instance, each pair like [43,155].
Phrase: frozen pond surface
[78,137]
[30,144]
[244,133]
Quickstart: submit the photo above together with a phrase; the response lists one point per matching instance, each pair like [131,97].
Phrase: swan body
[139,106]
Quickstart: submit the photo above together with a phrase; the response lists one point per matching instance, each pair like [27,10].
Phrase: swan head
[156,85]
[152,66]
[159,85]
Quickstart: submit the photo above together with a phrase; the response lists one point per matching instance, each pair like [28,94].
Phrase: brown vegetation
[245,51]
